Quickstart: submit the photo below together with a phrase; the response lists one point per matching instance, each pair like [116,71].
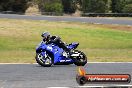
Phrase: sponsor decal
[64,60]
[50,48]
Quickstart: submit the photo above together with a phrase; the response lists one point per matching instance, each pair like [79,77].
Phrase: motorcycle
[50,54]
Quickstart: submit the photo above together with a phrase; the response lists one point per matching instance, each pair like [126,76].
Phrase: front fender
[41,48]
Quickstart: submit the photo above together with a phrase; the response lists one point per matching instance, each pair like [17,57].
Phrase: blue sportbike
[50,54]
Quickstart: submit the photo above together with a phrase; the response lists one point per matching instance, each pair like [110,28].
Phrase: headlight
[39,44]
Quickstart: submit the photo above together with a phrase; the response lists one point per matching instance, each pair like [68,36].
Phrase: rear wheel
[81,59]
[45,61]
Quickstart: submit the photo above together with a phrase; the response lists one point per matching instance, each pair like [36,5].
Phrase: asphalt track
[96,20]
[35,76]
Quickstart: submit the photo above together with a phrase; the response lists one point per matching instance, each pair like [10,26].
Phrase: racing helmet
[45,35]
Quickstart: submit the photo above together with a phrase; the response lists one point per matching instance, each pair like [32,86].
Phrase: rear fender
[73,45]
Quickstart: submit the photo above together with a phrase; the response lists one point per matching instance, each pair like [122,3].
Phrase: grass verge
[18,39]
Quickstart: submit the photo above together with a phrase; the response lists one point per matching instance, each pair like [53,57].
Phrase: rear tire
[42,61]
[80,60]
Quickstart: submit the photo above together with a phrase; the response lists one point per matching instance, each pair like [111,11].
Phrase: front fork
[44,54]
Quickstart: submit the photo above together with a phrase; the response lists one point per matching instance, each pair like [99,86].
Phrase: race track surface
[35,76]
[71,19]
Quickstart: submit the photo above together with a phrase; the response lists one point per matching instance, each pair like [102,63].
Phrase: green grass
[18,39]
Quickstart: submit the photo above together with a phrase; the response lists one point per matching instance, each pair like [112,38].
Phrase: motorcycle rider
[47,38]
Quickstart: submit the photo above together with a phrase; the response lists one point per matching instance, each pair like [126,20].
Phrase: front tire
[45,62]
[80,60]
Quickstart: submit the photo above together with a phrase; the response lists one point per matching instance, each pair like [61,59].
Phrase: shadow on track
[54,66]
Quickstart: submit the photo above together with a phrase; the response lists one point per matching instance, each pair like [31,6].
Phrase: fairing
[55,51]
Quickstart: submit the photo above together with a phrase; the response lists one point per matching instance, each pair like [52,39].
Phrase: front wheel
[81,59]
[45,61]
